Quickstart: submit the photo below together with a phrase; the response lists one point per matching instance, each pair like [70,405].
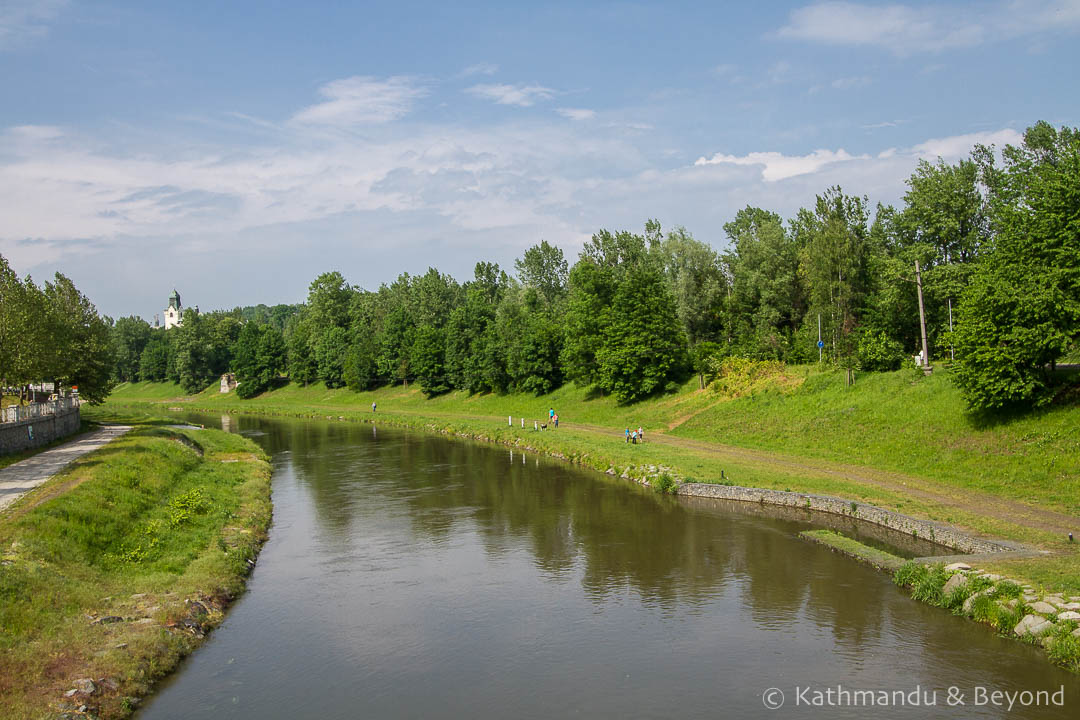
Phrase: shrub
[878,352]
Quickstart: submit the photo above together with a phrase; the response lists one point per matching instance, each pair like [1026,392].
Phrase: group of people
[553,418]
[635,436]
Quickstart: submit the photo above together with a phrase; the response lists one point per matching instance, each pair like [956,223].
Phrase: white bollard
[510,420]
[523,423]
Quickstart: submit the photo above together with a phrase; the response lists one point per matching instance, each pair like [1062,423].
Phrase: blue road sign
[820,344]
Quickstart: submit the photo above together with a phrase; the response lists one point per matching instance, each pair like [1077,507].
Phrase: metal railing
[18,413]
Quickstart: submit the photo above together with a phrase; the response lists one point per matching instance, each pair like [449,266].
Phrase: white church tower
[174,314]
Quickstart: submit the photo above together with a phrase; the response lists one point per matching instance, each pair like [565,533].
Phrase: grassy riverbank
[895,440]
[114,569]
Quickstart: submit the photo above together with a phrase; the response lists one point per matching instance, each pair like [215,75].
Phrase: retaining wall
[935,532]
[35,432]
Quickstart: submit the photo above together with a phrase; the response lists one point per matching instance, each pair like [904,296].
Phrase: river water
[410,576]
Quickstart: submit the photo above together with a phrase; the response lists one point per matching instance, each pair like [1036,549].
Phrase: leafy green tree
[258,358]
[361,370]
[946,210]
[80,343]
[1021,311]
[544,268]
[154,360]
[129,337]
[695,278]
[330,351]
[768,300]
[644,347]
[300,354]
[429,360]
[23,330]
[588,316]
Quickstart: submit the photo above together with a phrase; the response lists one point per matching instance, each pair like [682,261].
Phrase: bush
[878,352]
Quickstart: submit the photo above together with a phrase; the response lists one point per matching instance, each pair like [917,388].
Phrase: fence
[18,413]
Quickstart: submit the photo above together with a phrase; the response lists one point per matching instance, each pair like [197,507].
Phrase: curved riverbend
[414,576]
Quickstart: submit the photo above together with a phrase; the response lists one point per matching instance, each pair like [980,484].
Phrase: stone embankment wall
[934,532]
[38,431]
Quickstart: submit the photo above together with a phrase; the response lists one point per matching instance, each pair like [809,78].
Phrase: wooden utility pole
[922,322]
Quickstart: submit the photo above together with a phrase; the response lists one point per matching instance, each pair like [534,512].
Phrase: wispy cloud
[520,95]
[849,83]
[479,69]
[362,100]
[776,166]
[23,20]
[908,29]
[576,113]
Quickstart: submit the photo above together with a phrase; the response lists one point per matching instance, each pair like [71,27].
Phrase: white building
[174,314]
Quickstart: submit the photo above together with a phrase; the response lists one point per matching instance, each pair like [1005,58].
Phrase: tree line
[52,333]
[998,243]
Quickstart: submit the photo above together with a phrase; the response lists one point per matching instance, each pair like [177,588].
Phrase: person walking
[640,434]
[633,437]
[627,435]
[556,419]
[372,406]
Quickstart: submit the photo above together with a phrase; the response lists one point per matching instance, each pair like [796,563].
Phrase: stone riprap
[935,532]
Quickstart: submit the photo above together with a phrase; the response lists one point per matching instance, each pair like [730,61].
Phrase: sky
[235,150]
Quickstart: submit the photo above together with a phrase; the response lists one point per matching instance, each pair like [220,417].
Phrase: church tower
[174,314]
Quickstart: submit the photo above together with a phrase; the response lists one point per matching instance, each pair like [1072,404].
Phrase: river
[412,576]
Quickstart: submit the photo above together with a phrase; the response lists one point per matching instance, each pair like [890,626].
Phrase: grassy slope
[818,431]
[113,525]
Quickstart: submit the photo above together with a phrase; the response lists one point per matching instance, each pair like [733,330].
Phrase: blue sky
[235,150]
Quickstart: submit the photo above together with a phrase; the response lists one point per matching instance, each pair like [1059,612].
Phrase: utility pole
[922,321]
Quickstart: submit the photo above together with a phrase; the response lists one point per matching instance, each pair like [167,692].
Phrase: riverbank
[116,568]
[895,441]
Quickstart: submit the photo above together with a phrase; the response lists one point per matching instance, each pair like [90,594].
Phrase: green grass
[853,548]
[895,440]
[163,514]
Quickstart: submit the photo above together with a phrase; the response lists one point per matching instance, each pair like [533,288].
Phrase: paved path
[18,479]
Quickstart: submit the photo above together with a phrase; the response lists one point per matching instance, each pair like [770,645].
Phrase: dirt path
[18,479]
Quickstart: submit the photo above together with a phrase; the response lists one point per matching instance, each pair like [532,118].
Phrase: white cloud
[22,20]
[906,30]
[362,100]
[576,113]
[520,95]
[959,146]
[777,166]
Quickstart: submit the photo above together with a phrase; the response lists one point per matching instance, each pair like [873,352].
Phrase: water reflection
[412,576]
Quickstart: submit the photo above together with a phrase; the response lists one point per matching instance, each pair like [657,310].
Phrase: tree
[768,300]
[588,317]
[23,330]
[81,348]
[945,210]
[129,338]
[544,268]
[644,347]
[258,358]
[360,369]
[695,278]
[429,360]
[330,351]
[1021,311]
[154,360]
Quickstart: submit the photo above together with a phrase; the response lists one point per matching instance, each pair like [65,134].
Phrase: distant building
[174,314]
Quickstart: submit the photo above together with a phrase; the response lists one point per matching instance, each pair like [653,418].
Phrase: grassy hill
[897,440]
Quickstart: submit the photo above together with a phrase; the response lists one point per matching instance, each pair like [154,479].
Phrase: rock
[1069,615]
[138,596]
[992,577]
[144,621]
[1032,625]
[958,580]
[108,619]
[120,646]
[86,686]
[1070,606]
[1030,597]
[71,693]
[1043,608]
[1012,603]
[958,566]
[196,608]
[1055,599]
[1076,633]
